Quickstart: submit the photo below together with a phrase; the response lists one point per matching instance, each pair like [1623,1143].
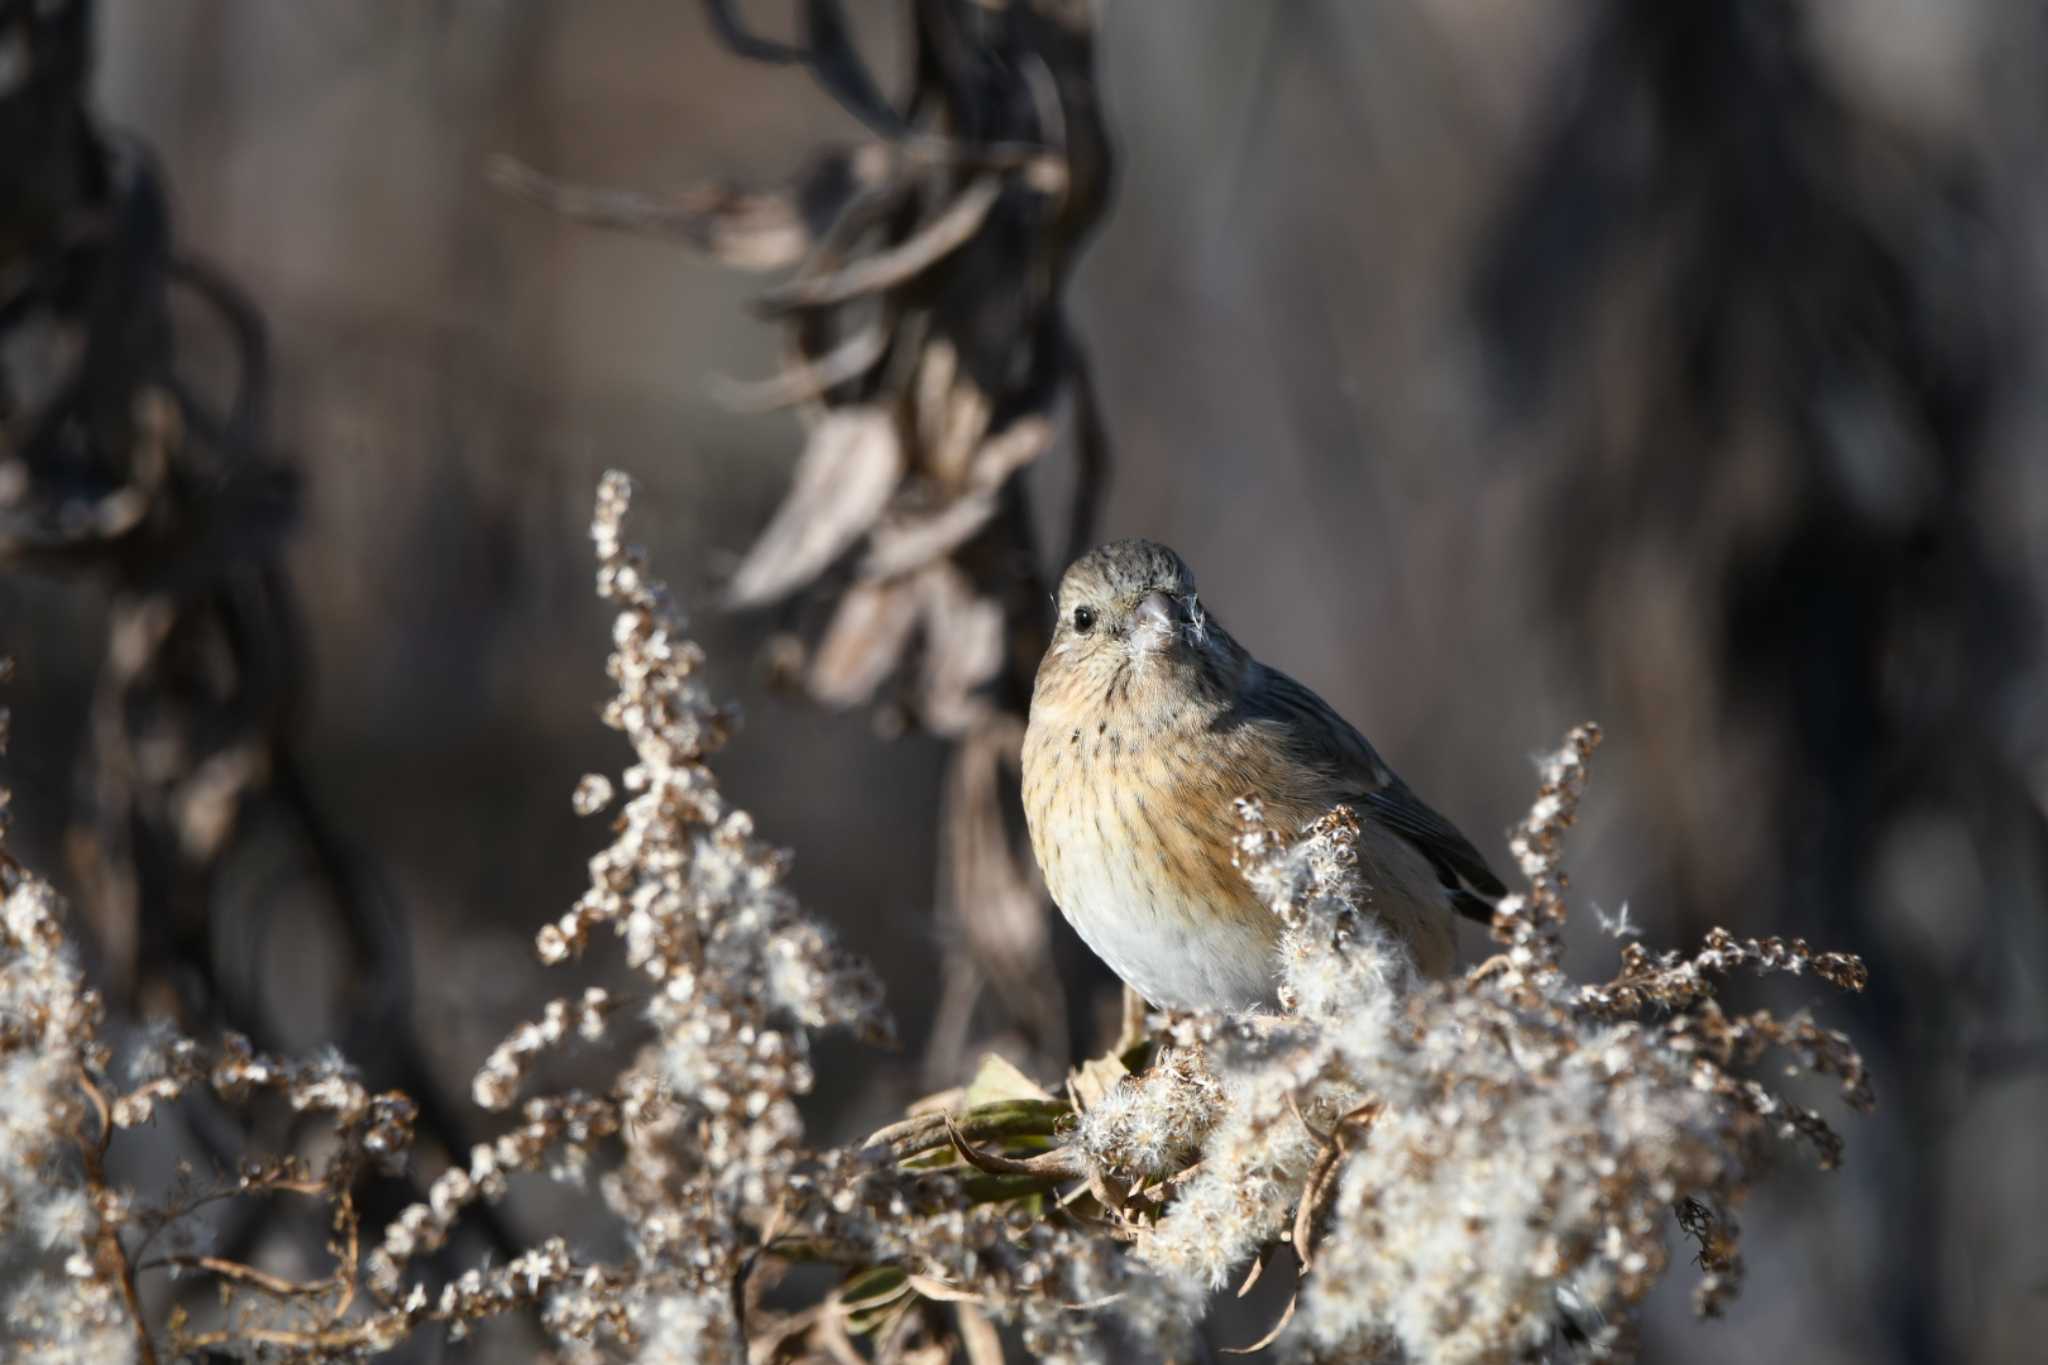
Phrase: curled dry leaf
[908,536]
[1059,1164]
[745,230]
[963,634]
[872,625]
[842,483]
[1008,451]
[805,381]
[951,413]
[1273,1333]
[867,636]
[887,269]
[904,540]
[931,393]
[918,535]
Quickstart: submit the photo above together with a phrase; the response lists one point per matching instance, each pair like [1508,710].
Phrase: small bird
[1148,721]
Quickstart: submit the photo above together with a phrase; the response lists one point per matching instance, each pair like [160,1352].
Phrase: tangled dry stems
[1487,1168]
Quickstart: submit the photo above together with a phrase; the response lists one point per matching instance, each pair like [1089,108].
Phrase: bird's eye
[1084,619]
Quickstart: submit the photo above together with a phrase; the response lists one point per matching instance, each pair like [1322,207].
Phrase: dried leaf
[1258,1268]
[963,634]
[938,364]
[745,230]
[938,1291]
[1058,1164]
[1008,451]
[841,484]
[832,1334]
[863,644]
[904,543]
[940,1102]
[979,1341]
[1094,1078]
[952,415]
[206,806]
[999,1079]
[805,380]
[887,269]
[1272,1334]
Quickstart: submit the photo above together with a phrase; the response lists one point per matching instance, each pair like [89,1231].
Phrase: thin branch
[113,1257]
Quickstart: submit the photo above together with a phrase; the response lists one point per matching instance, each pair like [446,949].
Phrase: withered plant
[1492,1167]
[129,469]
[928,355]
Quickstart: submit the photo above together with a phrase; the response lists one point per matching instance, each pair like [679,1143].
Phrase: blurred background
[1495,365]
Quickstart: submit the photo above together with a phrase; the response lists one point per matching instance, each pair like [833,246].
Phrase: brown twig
[1322,1179]
[240,1274]
[112,1256]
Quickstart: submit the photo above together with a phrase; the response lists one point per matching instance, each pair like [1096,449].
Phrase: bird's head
[1128,610]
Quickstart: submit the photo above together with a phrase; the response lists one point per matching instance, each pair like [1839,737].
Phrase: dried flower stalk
[1484,1168]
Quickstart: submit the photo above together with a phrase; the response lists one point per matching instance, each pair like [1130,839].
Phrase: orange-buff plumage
[1148,722]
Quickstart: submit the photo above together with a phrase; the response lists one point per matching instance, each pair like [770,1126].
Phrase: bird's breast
[1133,821]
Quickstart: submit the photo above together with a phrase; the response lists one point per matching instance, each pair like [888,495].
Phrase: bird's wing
[1362,781]
[1467,879]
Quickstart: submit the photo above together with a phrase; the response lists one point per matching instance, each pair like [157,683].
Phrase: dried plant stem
[112,1256]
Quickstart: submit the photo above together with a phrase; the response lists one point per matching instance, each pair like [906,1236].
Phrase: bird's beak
[1152,622]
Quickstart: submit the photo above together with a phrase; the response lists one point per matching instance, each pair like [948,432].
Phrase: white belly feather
[1177,952]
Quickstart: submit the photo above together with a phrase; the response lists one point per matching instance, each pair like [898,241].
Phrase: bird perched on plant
[1148,721]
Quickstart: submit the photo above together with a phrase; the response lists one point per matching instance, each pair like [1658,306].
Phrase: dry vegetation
[1489,1168]
[929,355]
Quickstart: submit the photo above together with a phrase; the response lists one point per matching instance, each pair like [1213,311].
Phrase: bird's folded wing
[1321,737]
[1467,879]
